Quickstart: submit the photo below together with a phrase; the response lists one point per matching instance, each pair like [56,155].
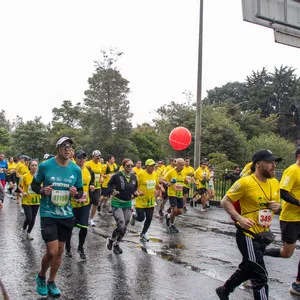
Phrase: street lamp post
[197,147]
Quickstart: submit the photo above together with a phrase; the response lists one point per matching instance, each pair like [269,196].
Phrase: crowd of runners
[68,190]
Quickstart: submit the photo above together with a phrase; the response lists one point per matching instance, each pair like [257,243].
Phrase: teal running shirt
[58,203]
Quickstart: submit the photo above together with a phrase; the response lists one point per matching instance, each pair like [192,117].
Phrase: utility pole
[197,148]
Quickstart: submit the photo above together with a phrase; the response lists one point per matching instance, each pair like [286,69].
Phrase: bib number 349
[265,217]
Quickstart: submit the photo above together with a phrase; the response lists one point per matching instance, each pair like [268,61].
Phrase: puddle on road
[172,258]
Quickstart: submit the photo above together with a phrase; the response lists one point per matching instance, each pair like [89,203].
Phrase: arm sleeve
[286,196]
[80,193]
[36,187]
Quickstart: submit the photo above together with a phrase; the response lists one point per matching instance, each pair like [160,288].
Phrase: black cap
[297,151]
[80,153]
[264,154]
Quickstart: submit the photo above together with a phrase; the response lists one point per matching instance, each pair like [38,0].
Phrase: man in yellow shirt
[108,170]
[188,172]
[259,197]
[21,169]
[202,177]
[138,167]
[147,184]
[290,216]
[176,180]
[96,167]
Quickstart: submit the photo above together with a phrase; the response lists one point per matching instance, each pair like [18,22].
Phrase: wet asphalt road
[187,265]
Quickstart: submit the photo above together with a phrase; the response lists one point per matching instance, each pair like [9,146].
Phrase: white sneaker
[91,222]
[22,210]
[29,237]
[23,233]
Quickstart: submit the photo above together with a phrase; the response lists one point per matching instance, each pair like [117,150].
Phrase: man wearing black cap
[61,180]
[290,216]
[259,197]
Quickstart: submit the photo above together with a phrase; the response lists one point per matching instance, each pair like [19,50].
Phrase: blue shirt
[58,204]
[3,165]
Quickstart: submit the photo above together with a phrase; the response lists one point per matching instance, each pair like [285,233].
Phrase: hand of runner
[275,206]
[246,223]
[47,190]
[73,191]
[115,192]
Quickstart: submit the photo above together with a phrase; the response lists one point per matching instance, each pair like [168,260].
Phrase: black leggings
[30,214]
[82,236]
[141,214]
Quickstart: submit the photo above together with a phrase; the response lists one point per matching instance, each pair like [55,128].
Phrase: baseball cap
[265,154]
[21,156]
[80,153]
[96,153]
[149,162]
[62,140]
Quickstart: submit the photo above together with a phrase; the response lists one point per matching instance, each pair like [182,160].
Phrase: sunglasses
[65,145]
[129,166]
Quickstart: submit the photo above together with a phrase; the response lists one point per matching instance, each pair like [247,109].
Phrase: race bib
[150,184]
[178,187]
[83,198]
[60,198]
[265,217]
[30,191]
[97,178]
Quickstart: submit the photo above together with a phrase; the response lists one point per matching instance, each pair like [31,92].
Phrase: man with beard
[259,197]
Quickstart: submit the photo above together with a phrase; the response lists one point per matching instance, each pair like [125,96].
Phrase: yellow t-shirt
[290,182]
[121,168]
[85,199]
[97,169]
[22,169]
[254,197]
[167,169]
[112,169]
[137,170]
[201,175]
[175,190]
[32,198]
[188,172]
[247,169]
[146,183]
[11,166]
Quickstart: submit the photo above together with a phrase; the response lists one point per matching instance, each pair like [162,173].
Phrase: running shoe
[295,288]
[167,220]
[160,212]
[143,237]
[53,289]
[110,212]
[173,229]
[207,206]
[203,209]
[109,243]
[41,286]
[222,293]
[184,209]
[132,220]
[117,249]
[91,222]
[81,253]
[68,253]
[29,237]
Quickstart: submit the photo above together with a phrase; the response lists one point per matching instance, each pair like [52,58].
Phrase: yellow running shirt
[146,183]
[11,166]
[85,199]
[31,198]
[290,182]
[202,176]
[188,172]
[108,171]
[97,169]
[254,196]
[175,190]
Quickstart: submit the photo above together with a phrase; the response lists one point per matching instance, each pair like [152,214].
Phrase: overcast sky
[48,49]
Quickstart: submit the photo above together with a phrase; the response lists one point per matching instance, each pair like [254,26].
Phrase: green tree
[278,145]
[107,106]
[31,138]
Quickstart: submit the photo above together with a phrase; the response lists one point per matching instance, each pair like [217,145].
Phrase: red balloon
[180,138]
